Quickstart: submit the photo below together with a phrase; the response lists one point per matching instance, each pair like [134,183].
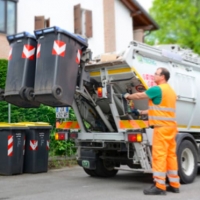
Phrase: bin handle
[46,30]
[18,36]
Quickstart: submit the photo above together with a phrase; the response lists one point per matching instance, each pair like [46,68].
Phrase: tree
[179,23]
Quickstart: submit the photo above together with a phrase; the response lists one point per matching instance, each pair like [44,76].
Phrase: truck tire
[90,172]
[187,161]
[105,170]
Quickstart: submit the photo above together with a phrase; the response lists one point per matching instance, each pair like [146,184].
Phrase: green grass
[61,162]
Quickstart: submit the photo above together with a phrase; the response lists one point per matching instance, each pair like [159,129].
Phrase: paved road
[74,184]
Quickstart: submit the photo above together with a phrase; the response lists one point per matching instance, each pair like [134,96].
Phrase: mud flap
[87,159]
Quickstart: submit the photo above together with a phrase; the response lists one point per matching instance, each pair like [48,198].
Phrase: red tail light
[135,137]
[61,136]
[100,92]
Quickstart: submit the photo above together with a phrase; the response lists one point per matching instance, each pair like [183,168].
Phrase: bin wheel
[22,92]
[29,94]
[57,92]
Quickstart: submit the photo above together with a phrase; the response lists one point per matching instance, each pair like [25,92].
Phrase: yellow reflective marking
[182,126]
[132,124]
[127,124]
[140,78]
[94,73]
[185,126]
[141,124]
[68,125]
[195,127]
[112,71]
[119,71]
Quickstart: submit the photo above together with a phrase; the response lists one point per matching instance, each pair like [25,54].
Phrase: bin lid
[56,29]
[18,36]
[4,125]
[36,124]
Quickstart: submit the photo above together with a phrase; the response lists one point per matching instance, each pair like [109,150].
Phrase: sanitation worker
[161,114]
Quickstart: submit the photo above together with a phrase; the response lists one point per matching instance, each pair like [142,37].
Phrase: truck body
[110,136]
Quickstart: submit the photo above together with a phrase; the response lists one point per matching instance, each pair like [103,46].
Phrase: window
[41,22]
[8,16]
[82,21]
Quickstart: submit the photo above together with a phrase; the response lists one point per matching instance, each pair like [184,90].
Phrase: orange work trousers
[164,161]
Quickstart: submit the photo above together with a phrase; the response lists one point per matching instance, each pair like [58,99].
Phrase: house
[109,25]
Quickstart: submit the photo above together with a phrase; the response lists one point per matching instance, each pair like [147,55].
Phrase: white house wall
[123,25]
[61,13]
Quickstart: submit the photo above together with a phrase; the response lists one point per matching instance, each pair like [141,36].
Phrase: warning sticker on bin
[78,56]
[28,52]
[10,54]
[38,50]
[10,145]
[33,145]
[59,48]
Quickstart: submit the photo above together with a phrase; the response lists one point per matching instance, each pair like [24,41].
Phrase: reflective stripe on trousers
[173,178]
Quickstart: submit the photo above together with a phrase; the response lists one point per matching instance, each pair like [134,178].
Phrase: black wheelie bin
[57,66]
[19,88]
[12,145]
[37,147]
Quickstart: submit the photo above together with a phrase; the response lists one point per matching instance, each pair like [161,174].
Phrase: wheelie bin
[57,66]
[19,88]
[12,144]
[37,147]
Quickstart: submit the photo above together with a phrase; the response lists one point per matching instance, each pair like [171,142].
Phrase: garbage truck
[108,136]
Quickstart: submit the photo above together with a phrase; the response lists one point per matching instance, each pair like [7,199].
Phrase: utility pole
[9,113]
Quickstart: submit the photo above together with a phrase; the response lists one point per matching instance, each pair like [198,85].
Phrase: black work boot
[173,189]
[153,190]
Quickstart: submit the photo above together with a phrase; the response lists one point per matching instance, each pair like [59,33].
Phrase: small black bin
[57,66]
[20,78]
[37,147]
[12,144]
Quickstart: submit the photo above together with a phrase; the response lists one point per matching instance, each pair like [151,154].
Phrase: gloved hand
[125,95]
[136,111]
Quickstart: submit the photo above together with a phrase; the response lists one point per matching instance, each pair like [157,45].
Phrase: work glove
[125,95]
[136,111]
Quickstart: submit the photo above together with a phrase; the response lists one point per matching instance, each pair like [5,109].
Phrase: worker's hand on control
[126,95]
[135,111]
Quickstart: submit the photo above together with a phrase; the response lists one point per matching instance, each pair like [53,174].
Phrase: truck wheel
[187,162]
[105,168]
[90,172]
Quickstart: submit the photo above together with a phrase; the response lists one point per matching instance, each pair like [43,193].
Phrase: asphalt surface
[74,184]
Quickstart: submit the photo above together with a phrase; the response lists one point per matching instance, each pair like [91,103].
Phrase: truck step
[134,170]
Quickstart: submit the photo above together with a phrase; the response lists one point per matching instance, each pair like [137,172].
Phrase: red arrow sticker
[47,144]
[33,145]
[38,50]
[78,56]
[59,48]
[10,54]
[28,52]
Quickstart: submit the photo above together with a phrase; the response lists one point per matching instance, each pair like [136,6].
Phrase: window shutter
[39,22]
[88,23]
[47,23]
[77,19]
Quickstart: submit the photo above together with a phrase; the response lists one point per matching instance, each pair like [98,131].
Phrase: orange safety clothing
[162,117]
[164,113]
